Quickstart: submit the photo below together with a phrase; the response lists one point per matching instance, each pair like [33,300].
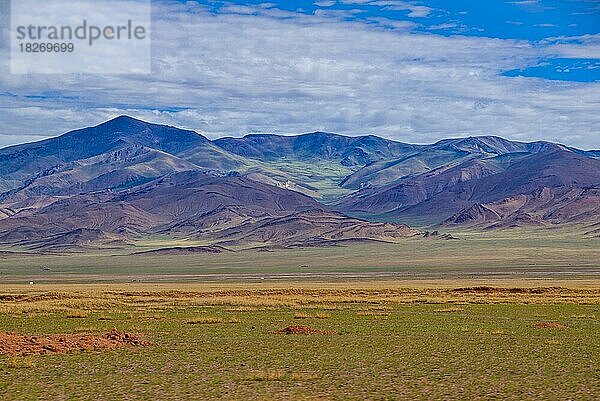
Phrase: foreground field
[390,342]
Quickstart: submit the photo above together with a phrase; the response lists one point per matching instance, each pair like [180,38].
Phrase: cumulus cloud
[269,70]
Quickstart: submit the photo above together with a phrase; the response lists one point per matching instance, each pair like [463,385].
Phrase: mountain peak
[127,122]
[125,117]
[92,141]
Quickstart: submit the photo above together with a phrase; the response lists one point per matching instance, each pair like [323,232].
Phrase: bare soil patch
[302,330]
[17,344]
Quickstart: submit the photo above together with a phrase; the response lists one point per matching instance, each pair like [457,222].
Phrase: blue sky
[518,19]
[415,71]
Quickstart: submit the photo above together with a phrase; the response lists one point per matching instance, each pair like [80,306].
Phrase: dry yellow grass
[279,375]
[372,313]
[22,362]
[80,304]
[77,314]
[322,315]
[449,310]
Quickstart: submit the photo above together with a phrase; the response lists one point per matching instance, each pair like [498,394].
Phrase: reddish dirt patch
[302,330]
[17,344]
[549,325]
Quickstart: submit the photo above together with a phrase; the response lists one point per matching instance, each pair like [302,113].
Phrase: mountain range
[126,179]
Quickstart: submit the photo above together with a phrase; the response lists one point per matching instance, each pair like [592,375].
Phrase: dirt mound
[301,330]
[514,290]
[549,325]
[17,344]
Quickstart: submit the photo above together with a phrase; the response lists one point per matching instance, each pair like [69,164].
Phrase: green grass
[323,176]
[383,351]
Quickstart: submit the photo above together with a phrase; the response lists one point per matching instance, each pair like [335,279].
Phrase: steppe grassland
[217,341]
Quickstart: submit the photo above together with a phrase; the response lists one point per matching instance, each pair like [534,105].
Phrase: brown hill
[477,213]
[418,189]
[459,192]
[593,231]
[6,212]
[544,206]
[76,239]
[219,209]
[312,228]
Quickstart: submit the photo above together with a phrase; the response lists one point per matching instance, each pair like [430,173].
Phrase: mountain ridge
[95,178]
[448,190]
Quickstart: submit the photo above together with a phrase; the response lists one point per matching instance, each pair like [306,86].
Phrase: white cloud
[233,73]
[415,11]
[325,3]
[586,46]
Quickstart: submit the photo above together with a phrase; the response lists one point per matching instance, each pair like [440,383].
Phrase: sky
[413,71]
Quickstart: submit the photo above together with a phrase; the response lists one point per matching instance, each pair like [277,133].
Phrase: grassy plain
[522,254]
[391,343]
[503,315]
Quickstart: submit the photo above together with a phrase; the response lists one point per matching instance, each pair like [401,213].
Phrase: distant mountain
[127,178]
[88,142]
[123,167]
[465,191]
[542,207]
[107,141]
[443,153]
[313,163]
[348,151]
[492,145]
[278,160]
[387,171]
[419,188]
[190,205]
